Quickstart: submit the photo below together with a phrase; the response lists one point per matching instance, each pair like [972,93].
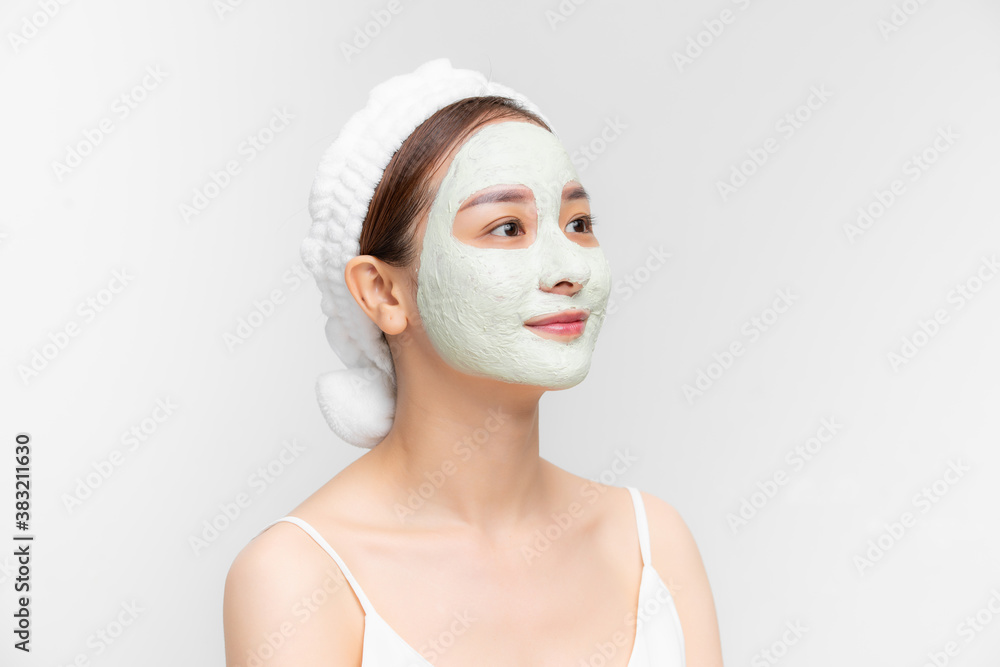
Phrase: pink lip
[565,323]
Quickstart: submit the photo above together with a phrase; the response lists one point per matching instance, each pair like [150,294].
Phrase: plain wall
[840,98]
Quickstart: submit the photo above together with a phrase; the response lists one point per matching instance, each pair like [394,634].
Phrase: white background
[683,128]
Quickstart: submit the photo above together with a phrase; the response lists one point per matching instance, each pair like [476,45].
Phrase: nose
[564,287]
[564,271]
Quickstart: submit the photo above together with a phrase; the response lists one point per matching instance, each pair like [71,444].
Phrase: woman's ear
[378,288]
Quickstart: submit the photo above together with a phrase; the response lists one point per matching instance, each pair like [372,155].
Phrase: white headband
[359,402]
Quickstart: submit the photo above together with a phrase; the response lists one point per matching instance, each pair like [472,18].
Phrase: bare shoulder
[677,558]
[287,603]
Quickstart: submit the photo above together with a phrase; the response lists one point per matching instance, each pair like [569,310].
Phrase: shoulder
[284,595]
[669,535]
[677,559]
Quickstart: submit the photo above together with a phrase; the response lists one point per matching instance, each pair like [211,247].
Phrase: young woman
[452,541]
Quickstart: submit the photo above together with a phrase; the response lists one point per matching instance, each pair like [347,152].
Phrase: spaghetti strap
[313,533]
[641,524]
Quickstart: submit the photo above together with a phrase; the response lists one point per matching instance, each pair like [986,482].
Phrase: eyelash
[590,220]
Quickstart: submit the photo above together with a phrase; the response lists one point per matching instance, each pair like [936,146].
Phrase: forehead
[507,153]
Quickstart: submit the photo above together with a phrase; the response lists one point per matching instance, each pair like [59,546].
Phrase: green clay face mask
[474,300]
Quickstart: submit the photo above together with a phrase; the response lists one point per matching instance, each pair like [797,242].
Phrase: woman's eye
[586,224]
[510,226]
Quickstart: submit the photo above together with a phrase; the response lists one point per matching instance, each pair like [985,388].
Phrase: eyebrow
[576,192]
[520,196]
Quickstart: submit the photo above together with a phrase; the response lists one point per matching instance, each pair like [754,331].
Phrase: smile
[568,323]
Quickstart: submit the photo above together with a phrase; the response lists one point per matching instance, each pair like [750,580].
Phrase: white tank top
[659,641]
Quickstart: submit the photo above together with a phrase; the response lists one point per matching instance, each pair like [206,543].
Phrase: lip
[563,323]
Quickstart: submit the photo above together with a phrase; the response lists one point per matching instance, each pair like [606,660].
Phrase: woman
[475,284]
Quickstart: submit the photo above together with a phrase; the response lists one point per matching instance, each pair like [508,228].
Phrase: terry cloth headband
[359,402]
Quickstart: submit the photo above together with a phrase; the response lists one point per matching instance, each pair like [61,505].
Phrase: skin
[461,551]
[474,301]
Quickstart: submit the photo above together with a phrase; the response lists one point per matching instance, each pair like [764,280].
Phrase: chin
[555,379]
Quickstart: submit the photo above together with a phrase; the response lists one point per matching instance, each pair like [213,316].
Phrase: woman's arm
[676,558]
[287,604]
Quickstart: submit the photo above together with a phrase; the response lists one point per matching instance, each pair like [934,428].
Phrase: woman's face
[508,241]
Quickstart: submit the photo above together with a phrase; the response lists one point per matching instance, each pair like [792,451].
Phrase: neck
[463,452]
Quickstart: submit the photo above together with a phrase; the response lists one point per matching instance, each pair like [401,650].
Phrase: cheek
[503,275]
[600,272]
[463,277]
[446,287]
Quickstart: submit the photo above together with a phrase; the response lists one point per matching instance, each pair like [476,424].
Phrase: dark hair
[403,194]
